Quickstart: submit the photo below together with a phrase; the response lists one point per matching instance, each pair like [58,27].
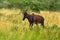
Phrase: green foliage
[35,5]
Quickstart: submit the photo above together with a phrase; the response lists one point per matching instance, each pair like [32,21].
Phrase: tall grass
[13,28]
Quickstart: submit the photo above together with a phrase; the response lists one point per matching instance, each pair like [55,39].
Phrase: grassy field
[13,28]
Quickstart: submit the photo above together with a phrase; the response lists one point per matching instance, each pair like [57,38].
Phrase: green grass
[13,28]
[42,34]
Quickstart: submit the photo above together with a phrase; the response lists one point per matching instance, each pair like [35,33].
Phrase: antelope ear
[23,11]
[32,13]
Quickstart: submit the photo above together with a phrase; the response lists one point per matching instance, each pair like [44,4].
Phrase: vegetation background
[13,28]
[35,5]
